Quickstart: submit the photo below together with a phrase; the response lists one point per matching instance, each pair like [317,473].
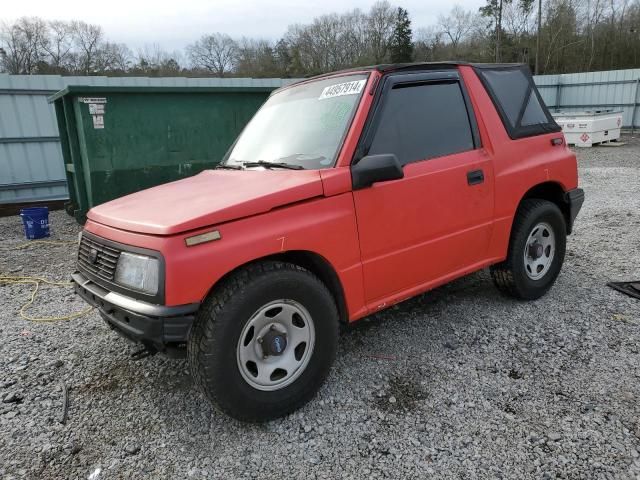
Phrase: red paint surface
[209,198]
[386,243]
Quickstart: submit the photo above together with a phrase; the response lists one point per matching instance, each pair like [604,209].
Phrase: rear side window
[517,100]
[423,121]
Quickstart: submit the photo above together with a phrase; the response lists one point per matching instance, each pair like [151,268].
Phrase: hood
[209,198]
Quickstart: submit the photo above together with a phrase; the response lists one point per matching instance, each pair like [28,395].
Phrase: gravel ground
[457,383]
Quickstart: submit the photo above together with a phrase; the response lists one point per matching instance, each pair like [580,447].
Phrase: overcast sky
[174,23]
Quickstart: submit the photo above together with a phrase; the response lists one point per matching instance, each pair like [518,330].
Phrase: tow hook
[144,352]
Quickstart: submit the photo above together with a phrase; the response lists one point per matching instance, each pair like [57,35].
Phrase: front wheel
[536,251]
[264,341]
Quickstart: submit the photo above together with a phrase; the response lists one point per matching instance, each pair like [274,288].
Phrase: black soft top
[510,86]
[395,67]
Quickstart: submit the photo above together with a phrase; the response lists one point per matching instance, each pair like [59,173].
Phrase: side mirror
[375,168]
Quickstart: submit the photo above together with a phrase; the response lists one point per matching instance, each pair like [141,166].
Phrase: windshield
[301,126]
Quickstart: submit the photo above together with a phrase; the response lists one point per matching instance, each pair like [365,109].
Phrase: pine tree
[401,47]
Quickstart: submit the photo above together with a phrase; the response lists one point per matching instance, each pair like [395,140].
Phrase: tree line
[552,36]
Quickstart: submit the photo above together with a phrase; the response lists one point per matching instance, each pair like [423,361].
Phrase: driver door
[435,222]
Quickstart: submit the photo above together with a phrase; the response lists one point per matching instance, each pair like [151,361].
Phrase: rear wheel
[264,341]
[536,251]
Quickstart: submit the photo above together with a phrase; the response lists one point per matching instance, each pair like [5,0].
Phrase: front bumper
[155,326]
[575,199]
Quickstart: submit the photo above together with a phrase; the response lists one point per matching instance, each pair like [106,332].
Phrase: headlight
[138,272]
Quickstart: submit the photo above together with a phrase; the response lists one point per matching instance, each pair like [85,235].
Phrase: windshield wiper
[296,156]
[227,166]
[265,164]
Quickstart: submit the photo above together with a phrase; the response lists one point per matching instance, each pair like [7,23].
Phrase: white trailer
[584,129]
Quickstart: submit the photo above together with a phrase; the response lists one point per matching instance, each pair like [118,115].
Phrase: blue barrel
[36,222]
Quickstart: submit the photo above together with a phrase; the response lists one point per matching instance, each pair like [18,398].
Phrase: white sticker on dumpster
[339,89]
[98,121]
[92,99]
[96,108]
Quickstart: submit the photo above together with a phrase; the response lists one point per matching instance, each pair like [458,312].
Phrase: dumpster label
[98,121]
[92,99]
[339,89]
[96,108]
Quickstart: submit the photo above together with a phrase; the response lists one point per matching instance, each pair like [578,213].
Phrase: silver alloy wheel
[539,251]
[275,345]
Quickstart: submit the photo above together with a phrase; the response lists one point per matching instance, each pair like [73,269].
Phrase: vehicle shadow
[424,315]
[476,287]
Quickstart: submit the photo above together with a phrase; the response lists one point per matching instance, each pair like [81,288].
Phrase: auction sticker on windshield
[339,89]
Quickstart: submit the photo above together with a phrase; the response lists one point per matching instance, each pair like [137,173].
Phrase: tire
[526,277]
[229,364]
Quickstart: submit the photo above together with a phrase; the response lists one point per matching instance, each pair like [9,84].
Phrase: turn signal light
[203,238]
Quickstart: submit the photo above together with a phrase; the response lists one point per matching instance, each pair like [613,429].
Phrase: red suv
[346,193]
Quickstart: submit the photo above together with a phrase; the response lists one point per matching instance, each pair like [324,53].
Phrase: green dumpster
[118,140]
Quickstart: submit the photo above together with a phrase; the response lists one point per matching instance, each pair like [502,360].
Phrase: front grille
[106,258]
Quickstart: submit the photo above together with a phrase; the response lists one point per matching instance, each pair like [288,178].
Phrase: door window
[423,121]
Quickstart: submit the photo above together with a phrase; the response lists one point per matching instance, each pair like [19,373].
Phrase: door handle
[475,177]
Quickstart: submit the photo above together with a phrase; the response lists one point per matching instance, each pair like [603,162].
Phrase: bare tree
[155,61]
[315,47]
[34,31]
[574,35]
[282,57]
[325,34]
[518,19]
[214,53]
[87,39]
[112,57]
[381,18]
[22,44]
[58,44]
[355,38]
[457,25]
[592,16]
[428,41]
[13,51]
[518,27]
[256,57]
[341,40]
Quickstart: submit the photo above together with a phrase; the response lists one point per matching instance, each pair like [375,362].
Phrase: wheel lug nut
[273,326]
[259,339]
